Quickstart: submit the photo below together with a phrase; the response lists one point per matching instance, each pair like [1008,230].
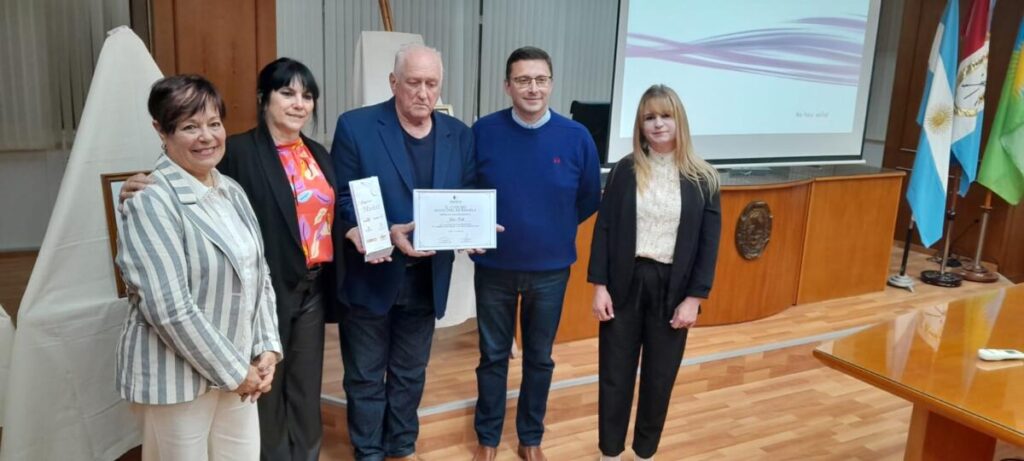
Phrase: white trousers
[217,426]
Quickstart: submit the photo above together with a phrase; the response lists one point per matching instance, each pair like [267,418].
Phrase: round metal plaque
[753,230]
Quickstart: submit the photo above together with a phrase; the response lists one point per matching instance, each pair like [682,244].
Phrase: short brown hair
[527,53]
[175,98]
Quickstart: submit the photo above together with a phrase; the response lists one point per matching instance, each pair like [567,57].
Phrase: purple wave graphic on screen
[816,49]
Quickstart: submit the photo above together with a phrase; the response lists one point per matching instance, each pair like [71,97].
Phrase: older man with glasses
[546,172]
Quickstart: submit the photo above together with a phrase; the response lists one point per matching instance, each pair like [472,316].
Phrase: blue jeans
[385,359]
[497,294]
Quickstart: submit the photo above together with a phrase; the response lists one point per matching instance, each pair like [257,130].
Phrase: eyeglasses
[542,81]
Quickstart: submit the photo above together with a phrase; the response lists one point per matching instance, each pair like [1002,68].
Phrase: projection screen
[764,82]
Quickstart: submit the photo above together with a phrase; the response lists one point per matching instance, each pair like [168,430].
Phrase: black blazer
[613,249]
[252,160]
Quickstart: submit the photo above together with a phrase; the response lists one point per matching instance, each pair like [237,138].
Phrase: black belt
[642,259]
[314,272]
[309,280]
[414,262]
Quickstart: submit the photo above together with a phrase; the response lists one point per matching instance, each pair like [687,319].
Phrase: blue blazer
[369,142]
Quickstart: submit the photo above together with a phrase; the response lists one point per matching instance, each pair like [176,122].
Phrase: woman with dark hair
[652,261]
[290,181]
[201,324]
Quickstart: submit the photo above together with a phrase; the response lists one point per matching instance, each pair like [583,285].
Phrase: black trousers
[290,423]
[385,358]
[640,327]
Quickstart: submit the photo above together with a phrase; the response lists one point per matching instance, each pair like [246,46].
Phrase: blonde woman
[652,262]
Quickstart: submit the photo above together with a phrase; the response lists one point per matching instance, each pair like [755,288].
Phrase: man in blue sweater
[546,171]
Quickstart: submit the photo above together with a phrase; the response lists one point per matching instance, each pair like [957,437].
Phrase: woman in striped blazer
[200,342]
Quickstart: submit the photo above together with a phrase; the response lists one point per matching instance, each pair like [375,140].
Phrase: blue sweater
[548,181]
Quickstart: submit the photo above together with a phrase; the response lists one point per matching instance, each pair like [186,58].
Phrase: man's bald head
[416,82]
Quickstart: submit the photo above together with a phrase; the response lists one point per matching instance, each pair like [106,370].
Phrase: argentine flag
[927,190]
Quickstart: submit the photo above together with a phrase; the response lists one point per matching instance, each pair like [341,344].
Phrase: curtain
[49,50]
[323,34]
[474,37]
[578,34]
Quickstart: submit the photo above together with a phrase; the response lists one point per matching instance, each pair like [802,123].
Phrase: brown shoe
[412,457]
[531,453]
[485,453]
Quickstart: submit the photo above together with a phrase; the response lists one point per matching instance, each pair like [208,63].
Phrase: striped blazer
[187,330]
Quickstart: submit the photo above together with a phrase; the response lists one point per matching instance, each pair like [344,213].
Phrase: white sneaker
[611,458]
[640,458]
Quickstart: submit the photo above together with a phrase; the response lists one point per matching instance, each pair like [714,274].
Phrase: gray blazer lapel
[193,212]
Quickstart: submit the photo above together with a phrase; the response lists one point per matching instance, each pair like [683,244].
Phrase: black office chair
[596,116]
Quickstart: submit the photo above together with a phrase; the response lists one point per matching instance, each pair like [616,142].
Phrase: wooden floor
[776,404]
[15,269]
[781,404]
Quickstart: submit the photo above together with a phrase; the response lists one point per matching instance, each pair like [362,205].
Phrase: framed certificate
[454,219]
[370,217]
[112,183]
[446,109]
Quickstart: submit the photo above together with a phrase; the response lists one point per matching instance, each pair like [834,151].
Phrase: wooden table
[930,357]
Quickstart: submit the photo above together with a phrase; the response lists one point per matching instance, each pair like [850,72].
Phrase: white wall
[882,80]
[47,53]
[323,34]
[29,182]
[578,34]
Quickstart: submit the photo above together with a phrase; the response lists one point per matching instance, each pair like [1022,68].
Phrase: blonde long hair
[663,100]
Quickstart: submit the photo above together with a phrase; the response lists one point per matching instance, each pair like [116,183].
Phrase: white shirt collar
[532,126]
[197,186]
[659,158]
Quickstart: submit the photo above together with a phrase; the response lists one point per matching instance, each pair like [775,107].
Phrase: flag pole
[941,277]
[902,280]
[977,272]
[942,255]
[385,15]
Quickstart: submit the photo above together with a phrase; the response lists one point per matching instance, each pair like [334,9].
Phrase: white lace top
[657,211]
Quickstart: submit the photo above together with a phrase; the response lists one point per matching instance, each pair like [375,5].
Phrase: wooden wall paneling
[227,42]
[218,40]
[746,290]
[1011,259]
[139,11]
[162,30]
[577,321]
[266,34]
[849,236]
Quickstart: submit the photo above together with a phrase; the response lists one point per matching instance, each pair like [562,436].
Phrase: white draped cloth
[6,340]
[61,403]
[374,61]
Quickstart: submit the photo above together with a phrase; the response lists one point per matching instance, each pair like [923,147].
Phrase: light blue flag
[927,191]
